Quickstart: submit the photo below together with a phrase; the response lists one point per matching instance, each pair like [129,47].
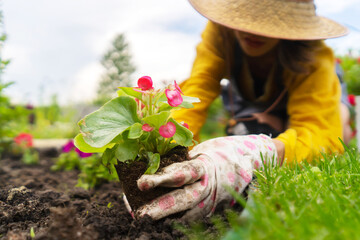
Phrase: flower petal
[174,97]
[177,87]
[82,154]
[147,128]
[168,130]
[68,146]
[185,125]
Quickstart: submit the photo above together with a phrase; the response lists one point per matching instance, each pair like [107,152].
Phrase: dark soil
[35,197]
[130,173]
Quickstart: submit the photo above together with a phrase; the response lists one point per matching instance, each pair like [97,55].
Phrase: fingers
[174,175]
[189,197]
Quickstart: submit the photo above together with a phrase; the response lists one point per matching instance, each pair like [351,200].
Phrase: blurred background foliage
[58,121]
[351,68]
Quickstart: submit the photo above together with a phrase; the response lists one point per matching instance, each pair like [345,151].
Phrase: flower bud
[145,83]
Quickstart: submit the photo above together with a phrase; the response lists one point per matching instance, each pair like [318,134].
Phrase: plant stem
[150,104]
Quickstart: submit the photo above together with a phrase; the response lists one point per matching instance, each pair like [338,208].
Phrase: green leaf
[86,148]
[144,136]
[32,233]
[129,91]
[188,102]
[127,150]
[102,126]
[157,120]
[154,163]
[182,136]
[135,131]
[164,106]
[108,156]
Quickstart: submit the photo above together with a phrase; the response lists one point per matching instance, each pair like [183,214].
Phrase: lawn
[308,201]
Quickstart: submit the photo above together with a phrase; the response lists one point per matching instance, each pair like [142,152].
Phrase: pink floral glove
[217,162]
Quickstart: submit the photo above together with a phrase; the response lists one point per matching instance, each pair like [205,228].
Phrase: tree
[118,65]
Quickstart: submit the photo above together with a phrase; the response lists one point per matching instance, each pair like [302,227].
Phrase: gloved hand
[217,162]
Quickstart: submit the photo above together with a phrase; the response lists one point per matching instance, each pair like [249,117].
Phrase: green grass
[317,201]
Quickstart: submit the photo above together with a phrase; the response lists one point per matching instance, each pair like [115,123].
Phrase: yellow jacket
[313,100]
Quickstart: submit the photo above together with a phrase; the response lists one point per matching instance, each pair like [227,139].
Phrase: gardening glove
[226,161]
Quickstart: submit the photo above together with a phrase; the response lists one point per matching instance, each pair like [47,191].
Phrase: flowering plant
[137,125]
[24,140]
[92,172]
[23,146]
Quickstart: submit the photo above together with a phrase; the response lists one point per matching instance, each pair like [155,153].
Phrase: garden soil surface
[34,197]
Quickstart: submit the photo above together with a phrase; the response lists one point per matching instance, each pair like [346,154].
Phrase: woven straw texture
[284,19]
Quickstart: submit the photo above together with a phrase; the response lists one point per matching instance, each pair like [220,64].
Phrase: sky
[55,47]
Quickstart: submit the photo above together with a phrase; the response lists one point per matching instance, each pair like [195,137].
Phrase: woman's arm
[314,112]
[204,82]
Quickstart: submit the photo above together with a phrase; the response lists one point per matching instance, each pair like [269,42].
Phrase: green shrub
[351,67]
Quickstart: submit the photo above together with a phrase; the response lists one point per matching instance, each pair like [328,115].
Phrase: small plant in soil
[22,148]
[92,172]
[136,133]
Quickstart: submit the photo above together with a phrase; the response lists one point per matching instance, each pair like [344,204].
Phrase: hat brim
[283,21]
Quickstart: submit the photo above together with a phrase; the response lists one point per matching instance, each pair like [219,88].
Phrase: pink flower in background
[177,87]
[351,99]
[174,97]
[168,130]
[24,140]
[82,154]
[68,146]
[147,128]
[145,83]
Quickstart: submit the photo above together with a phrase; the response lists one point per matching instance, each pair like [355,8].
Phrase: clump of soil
[129,173]
[35,197]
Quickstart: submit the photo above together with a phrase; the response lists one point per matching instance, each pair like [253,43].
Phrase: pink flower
[168,130]
[351,99]
[185,125]
[177,87]
[68,146]
[147,128]
[145,83]
[174,97]
[82,154]
[24,140]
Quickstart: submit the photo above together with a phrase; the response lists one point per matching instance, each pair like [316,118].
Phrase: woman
[282,82]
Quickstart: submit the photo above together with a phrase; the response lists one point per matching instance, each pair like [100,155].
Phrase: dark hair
[292,55]
[297,56]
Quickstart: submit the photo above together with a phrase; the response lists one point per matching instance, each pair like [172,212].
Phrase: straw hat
[283,19]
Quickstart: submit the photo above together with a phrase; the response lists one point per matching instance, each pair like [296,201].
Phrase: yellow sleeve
[204,82]
[314,111]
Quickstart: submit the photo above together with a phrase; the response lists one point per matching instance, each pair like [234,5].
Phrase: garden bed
[34,197]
